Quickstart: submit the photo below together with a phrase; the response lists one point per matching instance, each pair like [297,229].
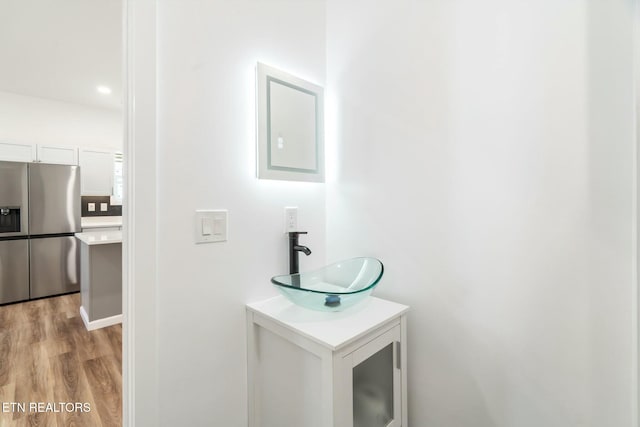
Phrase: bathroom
[484,151]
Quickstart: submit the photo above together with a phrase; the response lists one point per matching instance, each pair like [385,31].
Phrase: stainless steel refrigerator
[39,214]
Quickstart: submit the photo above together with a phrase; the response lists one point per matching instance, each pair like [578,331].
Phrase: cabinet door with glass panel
[372,383]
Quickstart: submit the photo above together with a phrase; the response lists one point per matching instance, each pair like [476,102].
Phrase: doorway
[61,97]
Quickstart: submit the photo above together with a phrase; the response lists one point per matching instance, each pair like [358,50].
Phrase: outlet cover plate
[290,219]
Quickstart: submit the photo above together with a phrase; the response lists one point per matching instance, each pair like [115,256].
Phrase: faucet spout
[302,249]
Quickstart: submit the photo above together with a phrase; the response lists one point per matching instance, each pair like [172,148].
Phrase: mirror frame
[264,76]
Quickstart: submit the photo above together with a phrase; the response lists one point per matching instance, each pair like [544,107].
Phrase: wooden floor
[48,356]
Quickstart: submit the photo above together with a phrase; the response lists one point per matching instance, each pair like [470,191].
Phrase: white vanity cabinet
[96,170]
[327,369]
[41,153]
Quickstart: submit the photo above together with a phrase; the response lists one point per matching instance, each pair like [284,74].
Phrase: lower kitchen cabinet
[101,272]
[327,369]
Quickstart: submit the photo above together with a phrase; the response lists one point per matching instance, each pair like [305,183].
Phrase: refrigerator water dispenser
[9,219]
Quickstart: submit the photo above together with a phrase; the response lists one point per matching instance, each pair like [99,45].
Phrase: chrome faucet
[294,248]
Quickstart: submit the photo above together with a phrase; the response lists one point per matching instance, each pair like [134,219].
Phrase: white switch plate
[290,219]
[211,226]
[103,207]
[91,207]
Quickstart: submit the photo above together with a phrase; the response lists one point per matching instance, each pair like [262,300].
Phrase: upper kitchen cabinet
[57,155]
[17,151]
[96,170]
[40,153]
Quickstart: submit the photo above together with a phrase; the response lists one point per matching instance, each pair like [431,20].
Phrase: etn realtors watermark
[53,407]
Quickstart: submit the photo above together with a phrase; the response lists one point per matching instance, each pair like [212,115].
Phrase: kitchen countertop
[101,221]
[100,237]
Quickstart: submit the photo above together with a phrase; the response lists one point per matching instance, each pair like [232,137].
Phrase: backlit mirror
[290,127]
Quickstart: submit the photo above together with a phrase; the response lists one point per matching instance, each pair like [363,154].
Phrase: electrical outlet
[290,219]
[103,207]
[91,207]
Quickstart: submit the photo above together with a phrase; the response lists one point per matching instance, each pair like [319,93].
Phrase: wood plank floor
[48,356]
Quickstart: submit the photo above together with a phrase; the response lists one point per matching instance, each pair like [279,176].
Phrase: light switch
[91,207]
[211,226]
[206,226]
[103,207]
[218,226]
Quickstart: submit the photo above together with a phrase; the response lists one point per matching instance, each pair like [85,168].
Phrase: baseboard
[100,323]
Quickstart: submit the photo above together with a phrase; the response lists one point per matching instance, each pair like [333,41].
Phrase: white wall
[47,121]
[484,151]
[207,51]
[612,301]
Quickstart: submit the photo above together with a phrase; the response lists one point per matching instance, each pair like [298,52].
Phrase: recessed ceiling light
[104,90]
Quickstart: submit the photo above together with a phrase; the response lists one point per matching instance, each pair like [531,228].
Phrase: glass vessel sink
[333,288]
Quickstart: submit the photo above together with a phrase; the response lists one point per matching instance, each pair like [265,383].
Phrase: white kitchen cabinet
[96,171]
[327,369]
[57,154]
[41,153]
[101,223]
[17,151]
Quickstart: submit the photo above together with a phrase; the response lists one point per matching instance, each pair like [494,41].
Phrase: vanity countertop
[330,329]
[100,237]
[101,221]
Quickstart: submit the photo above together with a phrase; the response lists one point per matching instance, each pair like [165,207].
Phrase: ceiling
[62,49]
